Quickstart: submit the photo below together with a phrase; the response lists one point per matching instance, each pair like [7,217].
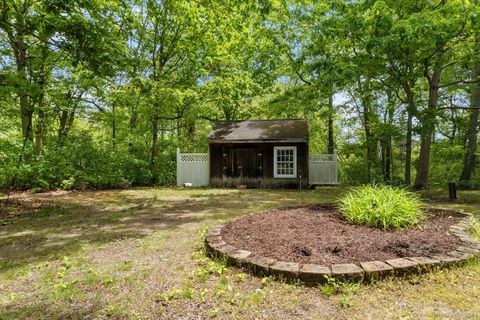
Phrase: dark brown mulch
[319,234]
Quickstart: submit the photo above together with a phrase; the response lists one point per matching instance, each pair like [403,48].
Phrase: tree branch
[296,71]
[459,82]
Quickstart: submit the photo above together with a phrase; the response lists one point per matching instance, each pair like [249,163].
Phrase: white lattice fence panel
[193,157]
[323,169]
[192,168]
[323,157]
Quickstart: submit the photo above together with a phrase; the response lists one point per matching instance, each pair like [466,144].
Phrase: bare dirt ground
[137,254]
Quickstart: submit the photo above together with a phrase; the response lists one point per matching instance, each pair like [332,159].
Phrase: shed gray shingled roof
[295,130]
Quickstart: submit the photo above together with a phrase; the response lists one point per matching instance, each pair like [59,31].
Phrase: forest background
[100,93]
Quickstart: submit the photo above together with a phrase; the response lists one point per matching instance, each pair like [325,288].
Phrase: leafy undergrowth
[139,254]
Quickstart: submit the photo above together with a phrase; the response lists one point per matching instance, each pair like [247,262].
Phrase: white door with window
[285,162]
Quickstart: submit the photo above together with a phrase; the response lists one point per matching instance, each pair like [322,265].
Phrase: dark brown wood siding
[252,164]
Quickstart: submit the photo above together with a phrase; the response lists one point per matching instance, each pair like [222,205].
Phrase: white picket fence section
[322,169]
[192,168]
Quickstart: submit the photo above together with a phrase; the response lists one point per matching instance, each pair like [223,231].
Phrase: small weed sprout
[188,293]
[169,295]
[257,296]
[203,295]
[345,289]
[240,277]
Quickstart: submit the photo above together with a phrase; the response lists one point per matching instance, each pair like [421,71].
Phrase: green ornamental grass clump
[382,207]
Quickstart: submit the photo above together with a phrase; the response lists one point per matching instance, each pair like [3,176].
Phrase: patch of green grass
[257,296]
[12,273]
[117,310]
[212,267]
[6,265]
[474,230]
[92,277]
[50,210]
[169,295]
[153,243]
[7,209]
[344,289]
[112,271]
[125,266]
[383,207]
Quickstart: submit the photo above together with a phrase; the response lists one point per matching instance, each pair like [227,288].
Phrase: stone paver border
[367,270]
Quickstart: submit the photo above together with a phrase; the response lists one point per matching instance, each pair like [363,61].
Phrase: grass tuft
[382,207]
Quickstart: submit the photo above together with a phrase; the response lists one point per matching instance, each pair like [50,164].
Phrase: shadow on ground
[74,220]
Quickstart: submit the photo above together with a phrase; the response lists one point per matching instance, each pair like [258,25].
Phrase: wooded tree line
[100,93]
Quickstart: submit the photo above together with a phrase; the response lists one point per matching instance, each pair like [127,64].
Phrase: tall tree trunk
[428,126]
[66,121]
[387,174]
[409,89]
[67,115]
[408,142]
[366,100]
[15,30]
[26,109]
[368,136]
[228,113]
[133,123]
[331,141]
[26,113]
[114,124]
[469,161]
[191,132]
[154,150]
[178,127]
[453,117]
[40,130]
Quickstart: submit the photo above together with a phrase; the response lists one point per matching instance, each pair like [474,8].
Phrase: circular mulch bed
[313,243]
[319,234]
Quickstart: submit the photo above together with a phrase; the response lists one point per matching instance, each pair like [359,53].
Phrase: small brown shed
[259,153]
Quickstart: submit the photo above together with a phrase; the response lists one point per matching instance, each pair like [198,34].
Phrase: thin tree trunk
[154,150]
[366,100]
[26,110]
[40,130]
[66,121]
[408,88]
[133,123]
[114,124]
[26,115]
[178,126]
[368,137]
[469,162]
[428,126]
[453,117]
[67,116]
[15,30]
[191,132]
[331,141]
[408,142]
[388,142]
[62,124]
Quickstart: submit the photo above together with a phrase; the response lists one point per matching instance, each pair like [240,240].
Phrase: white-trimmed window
[284,162]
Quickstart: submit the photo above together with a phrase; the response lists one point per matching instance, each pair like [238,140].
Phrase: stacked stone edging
[367,270]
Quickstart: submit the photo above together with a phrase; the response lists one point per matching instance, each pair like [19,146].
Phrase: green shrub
[382,207]
[78,162]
